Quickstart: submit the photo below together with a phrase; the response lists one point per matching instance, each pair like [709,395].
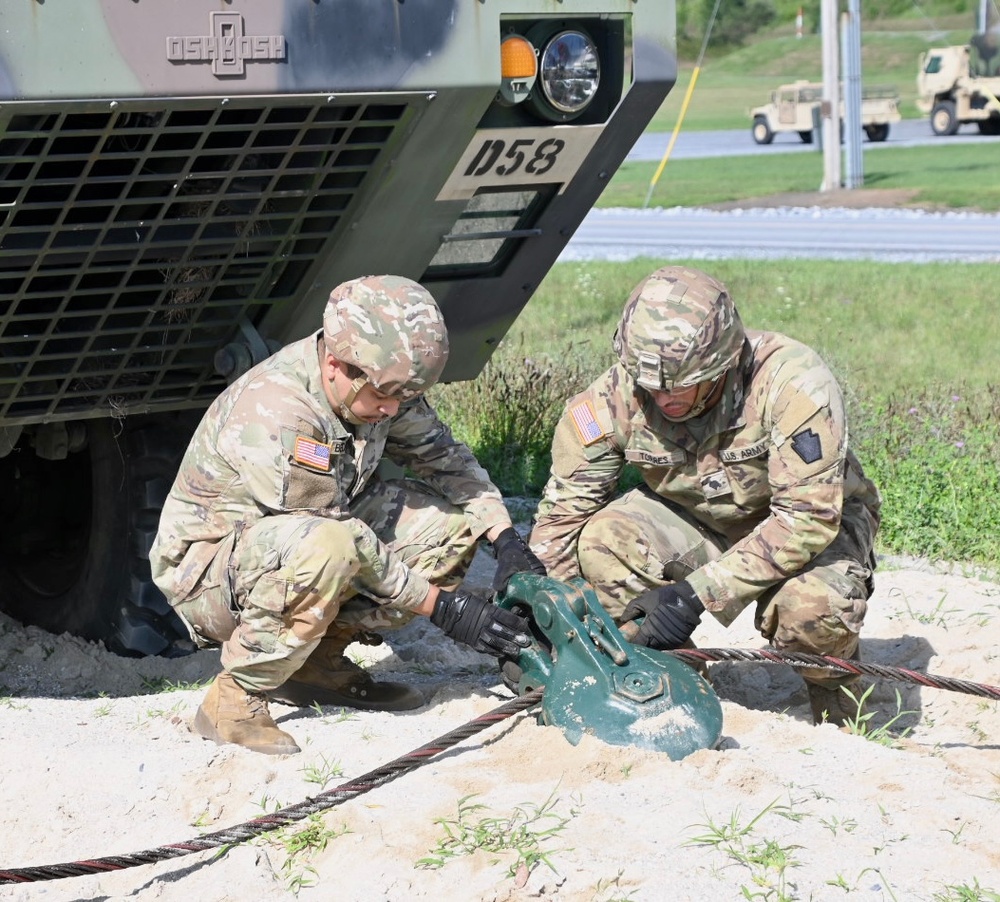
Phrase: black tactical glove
[513,556]
[672,612]
[477,622]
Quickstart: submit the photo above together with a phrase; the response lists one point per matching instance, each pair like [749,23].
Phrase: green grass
[912,345]
[945,177]
[730,85]
[886,328]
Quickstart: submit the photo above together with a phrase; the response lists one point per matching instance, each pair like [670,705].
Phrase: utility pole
[830,106]
[850,49]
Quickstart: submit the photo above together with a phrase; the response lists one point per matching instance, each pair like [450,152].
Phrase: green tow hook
[598,684]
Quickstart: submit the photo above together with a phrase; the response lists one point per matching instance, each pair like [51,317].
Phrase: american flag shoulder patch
[312,454]
[584,418]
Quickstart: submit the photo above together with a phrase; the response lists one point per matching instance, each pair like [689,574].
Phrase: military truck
[960,85]
[182,185]
[794,108]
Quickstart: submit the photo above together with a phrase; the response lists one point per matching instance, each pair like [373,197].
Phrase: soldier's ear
[330,365]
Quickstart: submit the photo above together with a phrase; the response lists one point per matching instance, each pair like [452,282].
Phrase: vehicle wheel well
[74,545]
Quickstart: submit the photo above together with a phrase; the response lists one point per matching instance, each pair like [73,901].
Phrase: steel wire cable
[250,829]
[845,665]
[414,759]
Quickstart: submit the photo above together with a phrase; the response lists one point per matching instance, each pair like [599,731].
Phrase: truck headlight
[569,72]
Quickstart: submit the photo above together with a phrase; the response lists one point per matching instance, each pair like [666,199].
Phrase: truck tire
[761,131]
[989,126]
[76,533]
[943,118]
[806,137]
[878,131]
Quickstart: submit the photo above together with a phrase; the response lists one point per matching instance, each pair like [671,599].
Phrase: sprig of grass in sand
[767,860]
[524,835]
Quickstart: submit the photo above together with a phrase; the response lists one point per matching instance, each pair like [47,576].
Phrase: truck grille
[136,235]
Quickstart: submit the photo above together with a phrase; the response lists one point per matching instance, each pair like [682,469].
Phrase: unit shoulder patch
[807,445]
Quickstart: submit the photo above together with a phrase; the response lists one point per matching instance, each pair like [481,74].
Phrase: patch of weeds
[525,833]
[508,414]
[202,820]
[983,618]
[977,731]
[939,616]
[609,889]
[842,883]
[323,772]
[994,796]
[163,684]
[268,804]
[860,723]
[966,893]
[300,844]
[152,713]
[344,715]
[934,456]
[10,701]
[834,824]
[767,860]
[956,835]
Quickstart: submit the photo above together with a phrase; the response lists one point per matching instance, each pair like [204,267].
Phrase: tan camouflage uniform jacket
[767,468]
[241,466]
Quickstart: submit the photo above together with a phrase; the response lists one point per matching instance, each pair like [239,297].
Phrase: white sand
[84,776]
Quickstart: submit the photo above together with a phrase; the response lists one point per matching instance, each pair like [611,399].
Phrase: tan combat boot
[230,713]
[330,678]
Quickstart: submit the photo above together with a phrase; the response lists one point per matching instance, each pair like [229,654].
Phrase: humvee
[182,185]
[793,107]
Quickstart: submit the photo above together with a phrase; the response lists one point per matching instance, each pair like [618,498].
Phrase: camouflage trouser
[641,541]
[289,579]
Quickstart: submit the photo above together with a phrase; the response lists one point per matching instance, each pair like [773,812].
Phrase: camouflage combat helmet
[391,328]
[679,328]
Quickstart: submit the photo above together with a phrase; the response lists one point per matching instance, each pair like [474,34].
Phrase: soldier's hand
[513,556]
[672,612]
[477,622]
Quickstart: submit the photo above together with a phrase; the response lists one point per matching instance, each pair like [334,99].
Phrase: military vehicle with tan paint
[960,85]
[794,107]
[183,183]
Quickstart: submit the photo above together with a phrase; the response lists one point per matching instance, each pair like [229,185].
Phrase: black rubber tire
[75,540]
[989,126]
[806,137]
[944,119]
[877,132]
[761,131]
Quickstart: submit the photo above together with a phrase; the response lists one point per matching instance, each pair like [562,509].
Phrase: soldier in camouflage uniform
[750,492]
[282,543]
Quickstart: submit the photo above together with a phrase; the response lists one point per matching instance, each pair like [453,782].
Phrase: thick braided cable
[242,832]
[845,665]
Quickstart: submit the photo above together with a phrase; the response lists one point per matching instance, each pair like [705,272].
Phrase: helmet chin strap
[344,404]
[708,395]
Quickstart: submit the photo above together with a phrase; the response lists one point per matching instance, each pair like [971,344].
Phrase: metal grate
[134,236]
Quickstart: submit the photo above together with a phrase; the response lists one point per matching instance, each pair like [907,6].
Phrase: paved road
[890,235]
[813,232]
[737,142]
